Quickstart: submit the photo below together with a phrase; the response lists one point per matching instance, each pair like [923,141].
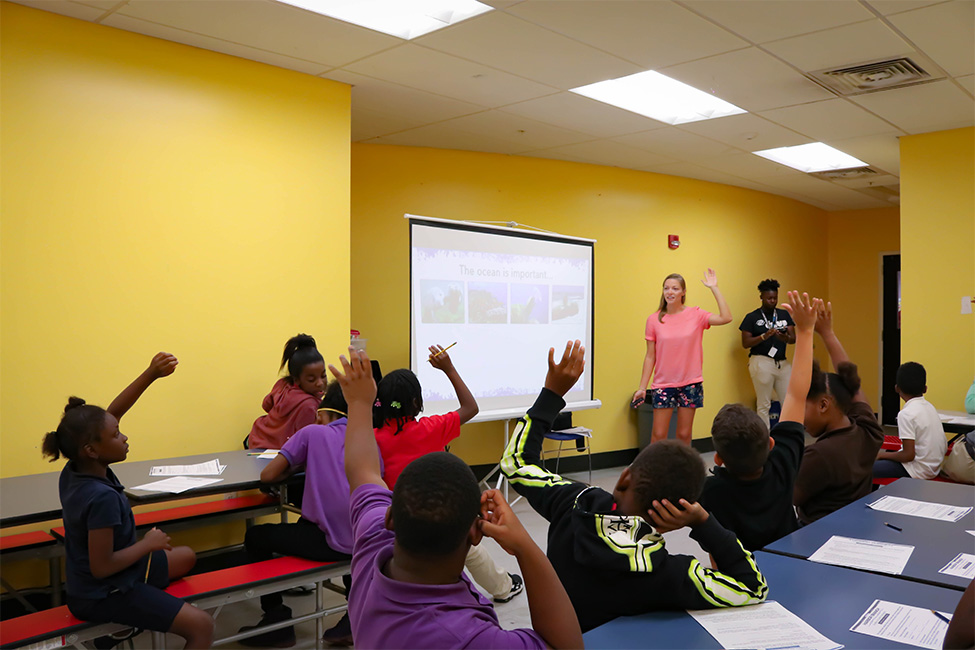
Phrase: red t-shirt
[418,437]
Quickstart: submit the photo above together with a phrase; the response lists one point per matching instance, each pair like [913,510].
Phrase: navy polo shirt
[88,503]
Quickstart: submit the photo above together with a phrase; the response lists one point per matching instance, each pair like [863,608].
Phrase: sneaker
[517,586]
[282,638]
[339,636]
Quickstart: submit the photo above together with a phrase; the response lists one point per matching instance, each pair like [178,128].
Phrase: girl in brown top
[838,468]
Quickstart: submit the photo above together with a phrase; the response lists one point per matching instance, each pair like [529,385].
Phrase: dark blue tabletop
[828,598]
[935,542]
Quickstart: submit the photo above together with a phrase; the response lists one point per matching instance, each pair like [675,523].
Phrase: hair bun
[850,376]
[74,402]
[304,341]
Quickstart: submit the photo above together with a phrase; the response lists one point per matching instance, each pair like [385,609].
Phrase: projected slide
[505,297]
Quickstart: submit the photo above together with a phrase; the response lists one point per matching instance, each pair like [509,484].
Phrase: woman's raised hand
[710,279]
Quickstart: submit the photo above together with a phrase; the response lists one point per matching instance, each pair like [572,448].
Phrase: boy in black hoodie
[607,548]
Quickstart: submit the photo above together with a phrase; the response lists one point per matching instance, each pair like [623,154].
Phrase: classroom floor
[513,614]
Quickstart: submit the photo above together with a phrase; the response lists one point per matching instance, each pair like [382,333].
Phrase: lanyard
[770,325]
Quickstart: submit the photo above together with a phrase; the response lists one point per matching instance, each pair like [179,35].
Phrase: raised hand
[824,324]
[157,540]
[500,523]
[803,309]
[355,378]
[439,358]
[563,375]
[710,279]
[162,365]
[667,517]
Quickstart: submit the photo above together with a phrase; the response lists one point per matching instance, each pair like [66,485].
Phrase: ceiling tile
[104,5]
[842,46]
[880,151]
[945,32]
[650,34]
[64,8]
[604,152]
[746,165]
[746,132]
[393,100]
[690,170]
[830,119]
[761,21]
[442,74]
[212,44]
[968,83]
[934,106]
[443,136]
[887,7]
[578,113]
[515,128]
[750,79]
[502,41]
[270,26]
[675,144]
[366,124]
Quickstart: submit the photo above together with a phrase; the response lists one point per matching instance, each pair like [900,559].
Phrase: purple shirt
[387,613]
[321,449]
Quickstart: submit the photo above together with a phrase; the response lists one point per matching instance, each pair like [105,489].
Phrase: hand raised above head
[824,323]
[163,365]
[710,279]
[439,358]
[563,375]
[803,309]
[355,378]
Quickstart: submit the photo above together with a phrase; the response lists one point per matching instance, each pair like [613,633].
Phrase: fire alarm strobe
[673,241]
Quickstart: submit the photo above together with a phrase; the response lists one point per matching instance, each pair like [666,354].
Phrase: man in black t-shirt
[765,332]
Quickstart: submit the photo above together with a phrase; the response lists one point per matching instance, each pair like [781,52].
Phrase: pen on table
[444,350]
[941,616]
[900,530]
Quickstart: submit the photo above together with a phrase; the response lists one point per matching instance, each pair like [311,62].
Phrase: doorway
[890,333]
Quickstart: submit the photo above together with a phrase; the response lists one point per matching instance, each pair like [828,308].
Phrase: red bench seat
[59,622]
[25,541]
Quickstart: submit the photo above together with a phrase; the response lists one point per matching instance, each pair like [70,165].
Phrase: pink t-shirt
[678,347]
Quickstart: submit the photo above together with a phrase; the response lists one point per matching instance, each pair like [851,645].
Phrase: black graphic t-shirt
[757,323]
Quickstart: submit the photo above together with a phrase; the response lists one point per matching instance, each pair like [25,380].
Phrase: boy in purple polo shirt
[324,531]
[409,547]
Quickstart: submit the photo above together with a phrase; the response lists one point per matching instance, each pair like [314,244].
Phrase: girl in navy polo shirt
[111,577]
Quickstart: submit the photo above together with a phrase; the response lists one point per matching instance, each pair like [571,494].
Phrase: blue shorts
[690,396]
[145,606]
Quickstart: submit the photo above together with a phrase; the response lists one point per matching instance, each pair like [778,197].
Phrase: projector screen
[505,296]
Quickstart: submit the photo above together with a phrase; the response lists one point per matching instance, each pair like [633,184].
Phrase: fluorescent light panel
[812,157]
[402,18]
[659,97]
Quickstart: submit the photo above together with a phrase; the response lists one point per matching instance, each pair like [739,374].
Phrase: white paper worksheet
[767,625]
[270,454]
[209,468]
[864,554]
[939,511]
[962,566]
[904,624]
[176,484]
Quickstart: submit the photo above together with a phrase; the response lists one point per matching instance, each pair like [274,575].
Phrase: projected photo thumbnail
[441,301]
[529,303]
[487,302]
[567,304]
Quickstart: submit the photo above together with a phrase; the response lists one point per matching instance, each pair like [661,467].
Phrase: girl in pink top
[293,400]
[675,356]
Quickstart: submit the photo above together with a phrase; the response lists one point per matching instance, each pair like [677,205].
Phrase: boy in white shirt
[919,428]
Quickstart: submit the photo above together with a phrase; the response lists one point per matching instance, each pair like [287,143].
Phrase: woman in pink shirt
[675,356]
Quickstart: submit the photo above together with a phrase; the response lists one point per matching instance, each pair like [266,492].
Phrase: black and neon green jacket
[612,565]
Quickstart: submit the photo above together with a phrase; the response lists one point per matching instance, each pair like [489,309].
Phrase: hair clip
[396,405]
[378,404]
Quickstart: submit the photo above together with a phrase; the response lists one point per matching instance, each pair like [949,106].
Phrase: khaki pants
[492,578]
[958,465]
[768,375]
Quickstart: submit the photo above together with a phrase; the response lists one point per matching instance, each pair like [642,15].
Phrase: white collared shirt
[919,421]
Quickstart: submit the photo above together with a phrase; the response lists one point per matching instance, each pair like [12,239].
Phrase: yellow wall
[937,260]
[160,197]
[857,240]
[630,214]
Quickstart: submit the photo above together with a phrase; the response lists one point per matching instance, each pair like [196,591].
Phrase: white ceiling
[498,82]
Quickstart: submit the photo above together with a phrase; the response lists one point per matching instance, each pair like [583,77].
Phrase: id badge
[772,351]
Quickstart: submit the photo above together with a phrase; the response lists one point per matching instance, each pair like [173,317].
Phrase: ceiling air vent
[846,174]
[878,75]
